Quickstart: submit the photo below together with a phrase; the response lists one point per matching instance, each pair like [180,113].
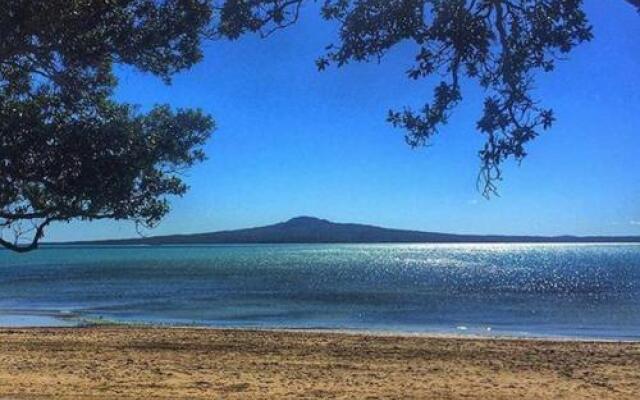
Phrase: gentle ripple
[590,291]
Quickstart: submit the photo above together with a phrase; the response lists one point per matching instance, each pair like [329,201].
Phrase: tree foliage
[68,150]
[498,43]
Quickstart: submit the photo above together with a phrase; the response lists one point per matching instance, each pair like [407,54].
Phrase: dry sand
[155,363]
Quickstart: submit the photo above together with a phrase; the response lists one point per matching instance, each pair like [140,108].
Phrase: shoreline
[199,363]
[334,331]
[72,322]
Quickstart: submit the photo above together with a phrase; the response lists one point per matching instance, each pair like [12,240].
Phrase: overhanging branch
[635,3]
[18,248]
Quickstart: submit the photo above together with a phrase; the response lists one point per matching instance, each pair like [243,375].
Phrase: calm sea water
[590,291]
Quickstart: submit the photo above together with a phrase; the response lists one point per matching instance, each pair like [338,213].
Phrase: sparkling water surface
[537,290]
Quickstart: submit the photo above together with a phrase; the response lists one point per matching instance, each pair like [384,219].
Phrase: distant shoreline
[100,244]
[311,230]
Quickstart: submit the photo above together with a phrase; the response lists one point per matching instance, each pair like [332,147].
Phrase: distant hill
[315,230]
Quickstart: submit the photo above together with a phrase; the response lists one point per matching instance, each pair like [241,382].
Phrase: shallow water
[588,291]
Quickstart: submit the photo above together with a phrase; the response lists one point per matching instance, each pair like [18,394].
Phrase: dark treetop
[497,43]
[67,149]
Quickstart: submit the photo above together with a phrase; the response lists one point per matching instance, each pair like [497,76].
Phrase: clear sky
[292,141]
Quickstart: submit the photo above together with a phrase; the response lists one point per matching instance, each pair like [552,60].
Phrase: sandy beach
[116,363]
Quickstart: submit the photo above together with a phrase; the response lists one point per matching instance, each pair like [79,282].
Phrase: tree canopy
[498,43]
[69,151]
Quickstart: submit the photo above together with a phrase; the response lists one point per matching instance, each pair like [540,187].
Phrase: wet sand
[161,363]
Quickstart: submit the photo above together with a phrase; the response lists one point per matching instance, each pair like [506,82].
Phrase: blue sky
[292,141]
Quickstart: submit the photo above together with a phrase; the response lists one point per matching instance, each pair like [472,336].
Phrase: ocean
[521,290]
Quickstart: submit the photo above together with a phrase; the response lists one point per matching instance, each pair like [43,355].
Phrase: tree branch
[635,3]
[34,242]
